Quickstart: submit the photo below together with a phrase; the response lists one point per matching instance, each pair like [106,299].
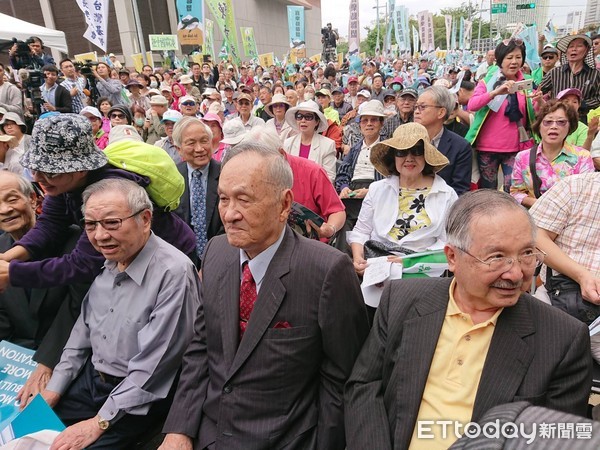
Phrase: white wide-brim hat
[309,106]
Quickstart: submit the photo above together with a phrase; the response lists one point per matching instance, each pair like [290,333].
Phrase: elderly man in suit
[450,349]
[199,203]
[279,328]
[432,109]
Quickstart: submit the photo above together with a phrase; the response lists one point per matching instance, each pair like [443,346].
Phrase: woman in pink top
[503,115]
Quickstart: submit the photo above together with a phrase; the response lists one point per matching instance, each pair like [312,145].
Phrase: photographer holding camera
[34,59]
[329,38]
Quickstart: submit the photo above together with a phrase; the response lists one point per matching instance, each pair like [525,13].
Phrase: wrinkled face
[253,211]
[338,98]
[555,126]
[50,77]
[490,57]
[188,108]
[353,88]
[96,123]
[17,211]
[56,184]
[123,244]
[196,146]
[377,83]
[292,97]
[576,50]
[405,104]
[512,63]
[370,126]
[265,96]
[160,109]
[169,125]
[502,235]
[427,111]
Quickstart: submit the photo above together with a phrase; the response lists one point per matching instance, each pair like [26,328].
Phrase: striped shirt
[77,101]
[587,81]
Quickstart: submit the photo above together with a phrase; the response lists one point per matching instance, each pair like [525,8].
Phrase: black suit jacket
[214,225]
[62,100]
[281,386]
[460,154]
[44,319]
[537,354]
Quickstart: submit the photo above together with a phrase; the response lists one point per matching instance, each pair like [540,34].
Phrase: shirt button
[101,361]
[112,310]
[468,337]
[227,389]
[119,283]
[460,362]
[103,336]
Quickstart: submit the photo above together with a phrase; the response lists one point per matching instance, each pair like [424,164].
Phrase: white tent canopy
[11,27]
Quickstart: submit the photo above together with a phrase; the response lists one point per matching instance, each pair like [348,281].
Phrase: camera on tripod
[86,68]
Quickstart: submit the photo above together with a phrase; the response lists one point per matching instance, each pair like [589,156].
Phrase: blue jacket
[346,170]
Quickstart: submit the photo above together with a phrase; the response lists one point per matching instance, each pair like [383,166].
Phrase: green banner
[249,42]
[222,11]
[209,38]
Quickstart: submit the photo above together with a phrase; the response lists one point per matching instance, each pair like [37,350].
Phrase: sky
[337,11]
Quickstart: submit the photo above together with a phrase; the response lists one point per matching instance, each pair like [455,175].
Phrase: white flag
[96,18]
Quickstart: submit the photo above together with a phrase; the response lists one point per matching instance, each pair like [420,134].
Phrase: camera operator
[56,97]
[11,98]
[329,38]
[36,59]
[75,84]
[108,87]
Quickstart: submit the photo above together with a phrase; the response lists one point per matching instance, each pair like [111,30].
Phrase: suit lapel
[229,287]
[185,199]
[211,191]
[270,297]
[507,361]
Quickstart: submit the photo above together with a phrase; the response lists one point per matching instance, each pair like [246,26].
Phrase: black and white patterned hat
[63,144]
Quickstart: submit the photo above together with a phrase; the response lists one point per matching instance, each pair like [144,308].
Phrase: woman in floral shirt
[555,158]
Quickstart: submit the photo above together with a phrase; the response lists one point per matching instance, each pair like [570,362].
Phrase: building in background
[592,13]
[521,11]
[574,21]
[267,17]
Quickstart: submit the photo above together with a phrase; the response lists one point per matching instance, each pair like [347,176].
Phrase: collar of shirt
[46,89]
[260,263]
[138,267]
[369,147]
[454,310]
[437,138]
[567,151]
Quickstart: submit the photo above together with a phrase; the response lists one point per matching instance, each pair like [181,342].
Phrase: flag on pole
[96,18]
[222,11]
[550,31]
[209,44]
[353,29]
[468,31]
[448,22]
[461,34]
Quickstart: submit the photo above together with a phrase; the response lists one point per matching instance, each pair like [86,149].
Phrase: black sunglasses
[306,116]
[415,151]
[548,57]
[117,116]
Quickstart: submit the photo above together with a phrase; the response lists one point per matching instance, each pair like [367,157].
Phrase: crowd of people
[185,251]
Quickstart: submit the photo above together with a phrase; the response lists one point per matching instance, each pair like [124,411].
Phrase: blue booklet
[36,416]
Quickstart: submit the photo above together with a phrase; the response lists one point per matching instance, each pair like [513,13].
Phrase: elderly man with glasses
[443,351]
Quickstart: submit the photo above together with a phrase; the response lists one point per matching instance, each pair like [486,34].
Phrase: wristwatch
[103,424]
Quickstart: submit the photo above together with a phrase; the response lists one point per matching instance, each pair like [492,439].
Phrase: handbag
[375,249]
[535,179]
[565,294]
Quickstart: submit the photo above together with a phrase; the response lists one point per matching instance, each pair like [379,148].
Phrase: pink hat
[571,91]
[210,117]
[397,80]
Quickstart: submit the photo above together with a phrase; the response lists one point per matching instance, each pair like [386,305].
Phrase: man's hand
[78,436]
[593,126]
[175,441]
[344,193]
[590,288]
[51,397]
[4,278]
[74,91]
[35,384]
[49,106]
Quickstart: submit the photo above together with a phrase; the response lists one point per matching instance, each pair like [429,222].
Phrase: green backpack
[166,183]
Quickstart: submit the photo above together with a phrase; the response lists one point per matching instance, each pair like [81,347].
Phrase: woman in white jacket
[408,208]
[309,121]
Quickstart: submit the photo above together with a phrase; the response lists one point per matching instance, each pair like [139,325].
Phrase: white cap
[371,108]
[364,93]
[91,110]
[123,132]
[171,115]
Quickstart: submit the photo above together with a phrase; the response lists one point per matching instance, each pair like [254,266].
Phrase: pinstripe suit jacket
[537,354]
[280,387]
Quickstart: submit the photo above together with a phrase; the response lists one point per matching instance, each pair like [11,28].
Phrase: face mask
[139,122]
[153,84]
[391,108]
[396,87]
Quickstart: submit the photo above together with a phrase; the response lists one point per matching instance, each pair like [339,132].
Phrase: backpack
[166,182]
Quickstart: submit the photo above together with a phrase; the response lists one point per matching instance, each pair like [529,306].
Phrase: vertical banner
[448,22]
[222,11]
[461,34]
[96,18]
[529,36]
[422,19]
[453,39]
[209,43]
[399,29]
[468,32]
[415,38]
[406,27]
[549,31]
[430,35]
[353,29]
[249,42]
[390,18]
[296,26]
[190,22]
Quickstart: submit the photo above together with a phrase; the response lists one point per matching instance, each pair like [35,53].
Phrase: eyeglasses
[306,116]
[561,123]
[518,42]
[244,103]
[389,99]
[546,57]
[370,119]
[279,105]
[116,116]
[111,224]
[528,259]
[415,151]
[46,175]
[188,104]
[423,107]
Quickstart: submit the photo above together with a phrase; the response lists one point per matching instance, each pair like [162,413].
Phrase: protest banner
[190,26]
[340,59]
[84,57]
[353,29]
[296,26]
[266,59]
[316,58]
[222,11]
[96,18]
[16,364]
[161,42]
[249,42]
[209,43]
[138,62]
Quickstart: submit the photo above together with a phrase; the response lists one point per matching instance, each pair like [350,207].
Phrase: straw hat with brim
[63,144]
[563,45]
[11,140]
[277,98]
[405,137]
[308,106]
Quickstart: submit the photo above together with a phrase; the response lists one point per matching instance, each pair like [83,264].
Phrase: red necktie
[247,297]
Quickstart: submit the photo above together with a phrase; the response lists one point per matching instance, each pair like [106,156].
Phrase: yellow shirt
[453,377]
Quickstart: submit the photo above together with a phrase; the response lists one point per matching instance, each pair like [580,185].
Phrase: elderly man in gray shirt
[113,382]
